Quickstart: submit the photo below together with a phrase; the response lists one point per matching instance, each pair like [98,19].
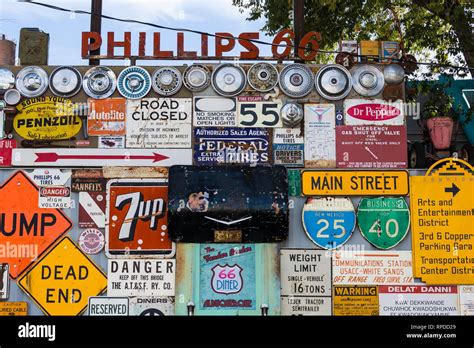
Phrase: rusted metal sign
[228,204]
[223,42]
[137,218]
[371,146]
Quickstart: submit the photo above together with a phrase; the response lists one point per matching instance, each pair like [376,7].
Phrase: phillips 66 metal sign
[227,279]
[137,218]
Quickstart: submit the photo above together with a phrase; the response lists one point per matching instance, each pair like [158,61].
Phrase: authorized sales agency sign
[442,207]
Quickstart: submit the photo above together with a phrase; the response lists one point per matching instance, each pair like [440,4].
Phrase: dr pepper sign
[137,218]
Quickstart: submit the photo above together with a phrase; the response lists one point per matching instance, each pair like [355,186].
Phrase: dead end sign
[354,183]
[63,280]
[26,230]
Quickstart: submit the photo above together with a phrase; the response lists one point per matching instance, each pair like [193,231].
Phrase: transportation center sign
[442,204]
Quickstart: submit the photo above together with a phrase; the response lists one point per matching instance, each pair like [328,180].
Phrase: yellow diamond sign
[62,281]
[442,212]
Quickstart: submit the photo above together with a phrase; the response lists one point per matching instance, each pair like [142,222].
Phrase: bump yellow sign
[354,183]
[63,280]
[442,208]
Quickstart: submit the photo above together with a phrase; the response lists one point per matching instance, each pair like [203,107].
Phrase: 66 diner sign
[377,111]
[137,219]
[227,279]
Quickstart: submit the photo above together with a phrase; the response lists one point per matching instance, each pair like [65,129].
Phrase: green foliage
[436,29]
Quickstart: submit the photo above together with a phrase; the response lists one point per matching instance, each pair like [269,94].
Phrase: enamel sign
[320,135]
[215,112]
[159,123]
[106,116]
[376,112]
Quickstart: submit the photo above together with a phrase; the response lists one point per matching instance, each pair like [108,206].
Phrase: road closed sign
[63,280]
[442,204]
[354,183]
[26,230]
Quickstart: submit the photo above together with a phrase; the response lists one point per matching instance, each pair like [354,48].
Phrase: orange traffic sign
[63,280]
[26,230]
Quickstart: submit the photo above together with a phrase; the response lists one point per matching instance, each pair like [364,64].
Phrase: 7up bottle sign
[384,221]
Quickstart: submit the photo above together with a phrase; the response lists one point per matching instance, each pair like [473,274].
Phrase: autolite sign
[380,112]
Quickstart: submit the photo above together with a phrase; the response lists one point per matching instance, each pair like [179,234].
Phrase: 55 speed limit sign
[384,221]
[329,221]
[254,112]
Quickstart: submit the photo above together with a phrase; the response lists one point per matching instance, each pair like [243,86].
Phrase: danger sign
[26,230]
[63,280]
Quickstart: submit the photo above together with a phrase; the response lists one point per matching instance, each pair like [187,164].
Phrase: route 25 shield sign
[137,219]
[227,279]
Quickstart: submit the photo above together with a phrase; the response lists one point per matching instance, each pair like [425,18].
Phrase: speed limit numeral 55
[259,114]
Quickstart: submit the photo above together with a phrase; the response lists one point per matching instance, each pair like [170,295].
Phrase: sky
[65,28]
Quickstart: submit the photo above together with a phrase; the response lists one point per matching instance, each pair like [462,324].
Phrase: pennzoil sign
[50,118]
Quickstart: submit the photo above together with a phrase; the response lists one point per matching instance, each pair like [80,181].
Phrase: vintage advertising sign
[50,177]
[390,49]
[354,183]
[111,142]
[320,135]
[282,48]
[13,308]
[215,112]
[371,147]
[90,180]
[101,157]
[288,147]
[383,221]
[26,230]
[46,118]
[253,111]
[371,267]
[376,111]
[137,218]
[159,123]
[231,145]
[328,221]
[227,277]
[6,148]
[54,197]
[144,277]
[418,300]
[355,300]
[108,306]
[466,299]
[106,116]
[305,282]
[151,306]
[4,281]
[62,281]
[91,241]
[442,206]
[92,209]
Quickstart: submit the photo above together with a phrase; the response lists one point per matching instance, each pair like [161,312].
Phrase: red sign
[223,42]
[6,147]
[55,191]
[371,112]
[26,231]
[371,147]
[137,218]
